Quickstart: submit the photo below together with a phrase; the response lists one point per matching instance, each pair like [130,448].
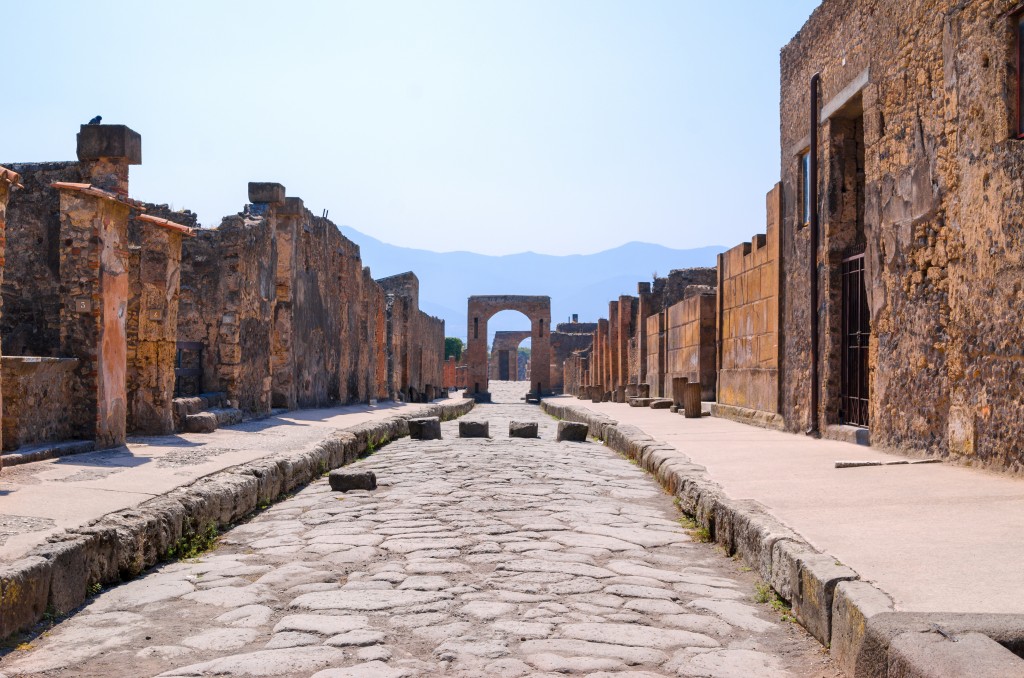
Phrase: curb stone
[116,547]
[868,639]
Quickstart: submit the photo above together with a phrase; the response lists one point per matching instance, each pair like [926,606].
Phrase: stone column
[7,180]
[93,314]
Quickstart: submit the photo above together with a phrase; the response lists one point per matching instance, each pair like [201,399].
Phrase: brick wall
[691,348]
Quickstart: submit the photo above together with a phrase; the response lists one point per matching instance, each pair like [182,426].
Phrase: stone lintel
[266,192]
[110,141]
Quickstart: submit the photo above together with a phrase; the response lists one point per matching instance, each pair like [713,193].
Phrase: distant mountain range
[577,283]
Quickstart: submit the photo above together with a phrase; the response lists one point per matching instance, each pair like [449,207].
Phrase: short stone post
[572,431]
[678,387]
[425,428]
[691,400]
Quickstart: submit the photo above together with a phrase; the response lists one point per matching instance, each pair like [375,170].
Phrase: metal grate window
[856,331]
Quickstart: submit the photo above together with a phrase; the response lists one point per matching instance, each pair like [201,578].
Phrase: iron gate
[853,390]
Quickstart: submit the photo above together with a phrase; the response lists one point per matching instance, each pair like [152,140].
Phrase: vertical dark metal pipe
[812,190]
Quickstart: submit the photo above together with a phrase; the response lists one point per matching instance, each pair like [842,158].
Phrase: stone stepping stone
[425,428]
[522,429]
[343,480]
[572,431]
[474,429]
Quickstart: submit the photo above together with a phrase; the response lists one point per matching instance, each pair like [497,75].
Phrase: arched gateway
[538,310]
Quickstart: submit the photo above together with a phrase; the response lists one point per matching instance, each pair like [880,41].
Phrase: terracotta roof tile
[168,224]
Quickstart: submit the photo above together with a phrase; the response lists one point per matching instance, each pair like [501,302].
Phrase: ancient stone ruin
[124,317]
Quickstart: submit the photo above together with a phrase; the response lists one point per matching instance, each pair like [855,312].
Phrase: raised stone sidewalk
[74,523]
[887,565]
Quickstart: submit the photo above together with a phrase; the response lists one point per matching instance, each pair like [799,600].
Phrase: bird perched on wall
[97,120]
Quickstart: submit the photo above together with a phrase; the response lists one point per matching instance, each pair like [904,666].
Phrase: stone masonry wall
[30,324]
[927,117]
[749,323]
[37,396]
[563,346]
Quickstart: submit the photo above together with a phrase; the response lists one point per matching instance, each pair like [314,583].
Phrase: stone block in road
[522,429]
[572,431]
[343,480]
[474,429]
[660,404]
[425,428]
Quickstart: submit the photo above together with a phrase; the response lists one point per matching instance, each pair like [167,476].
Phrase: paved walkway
[45,497]
[475,557]
[936,537]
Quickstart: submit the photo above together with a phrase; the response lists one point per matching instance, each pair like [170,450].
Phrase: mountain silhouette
[577,283]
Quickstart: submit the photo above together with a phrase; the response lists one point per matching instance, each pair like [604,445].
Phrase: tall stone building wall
[690,352]
[563,346]
[920,169]
[227,304]
[748,291]
[656,354]
[415,339]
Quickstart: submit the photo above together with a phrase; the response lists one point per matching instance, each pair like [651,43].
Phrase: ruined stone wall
[749,324]
[416,340]
[30,324]
[375,302]
[671,289]
[563,346]
[226,303]
[152,328]
[38,393]
[691,347]
[576,327]
[928,117]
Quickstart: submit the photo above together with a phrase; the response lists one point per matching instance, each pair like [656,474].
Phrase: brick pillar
[152,328]
[627,310]
[643,310]
[94,282]
[613,346]
[7,179]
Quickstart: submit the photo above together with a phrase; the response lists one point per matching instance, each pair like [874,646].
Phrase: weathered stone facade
[504,358]
[109,296]
[690,343]
[919,169]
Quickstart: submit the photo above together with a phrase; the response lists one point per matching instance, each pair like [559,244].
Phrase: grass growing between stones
[764,594]
[194,542]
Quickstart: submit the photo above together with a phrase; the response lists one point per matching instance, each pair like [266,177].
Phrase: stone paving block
[853,603]
[425,428]
[660,404]
[343,480]
[24,589]
[933,655]
[572,431]
[819,575]
[522,429]
[474,429]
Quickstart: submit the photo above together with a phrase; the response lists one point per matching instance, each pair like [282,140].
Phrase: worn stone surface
[572,431]
[470,574]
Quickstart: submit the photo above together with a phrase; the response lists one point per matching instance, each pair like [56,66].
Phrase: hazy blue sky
[557,126]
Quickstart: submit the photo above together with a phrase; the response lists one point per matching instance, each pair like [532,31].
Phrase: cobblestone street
[474,557]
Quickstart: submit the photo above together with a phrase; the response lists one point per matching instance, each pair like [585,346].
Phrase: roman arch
[538,310]
[505,355]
